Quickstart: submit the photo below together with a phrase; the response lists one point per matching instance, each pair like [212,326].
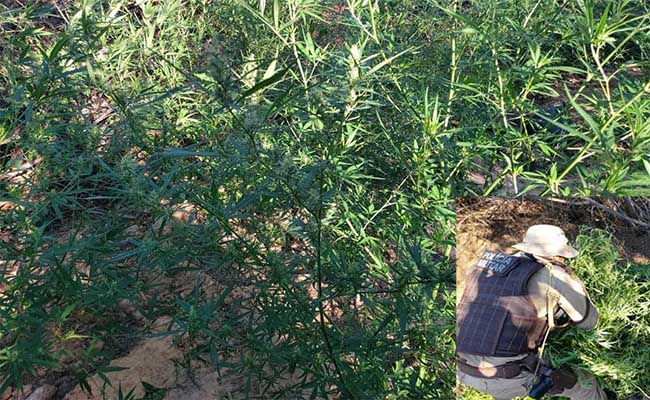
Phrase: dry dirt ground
[495,223]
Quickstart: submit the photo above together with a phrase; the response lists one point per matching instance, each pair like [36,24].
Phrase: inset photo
[553,298]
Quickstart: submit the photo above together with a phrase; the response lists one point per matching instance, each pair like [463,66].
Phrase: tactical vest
[495,316]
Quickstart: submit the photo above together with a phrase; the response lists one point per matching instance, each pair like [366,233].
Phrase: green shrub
[315,160]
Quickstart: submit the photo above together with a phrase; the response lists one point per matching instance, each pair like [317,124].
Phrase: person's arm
[573,299]
[591,319]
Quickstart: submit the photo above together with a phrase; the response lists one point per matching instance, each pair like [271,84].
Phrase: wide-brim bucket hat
[546,241]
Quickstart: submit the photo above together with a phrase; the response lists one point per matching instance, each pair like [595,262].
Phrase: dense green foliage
[546,92]
[306,162]
[320,144]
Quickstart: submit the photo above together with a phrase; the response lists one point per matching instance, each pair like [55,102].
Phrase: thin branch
[319,282]
[591,202]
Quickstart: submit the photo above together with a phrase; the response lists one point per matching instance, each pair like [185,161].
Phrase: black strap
[508,370]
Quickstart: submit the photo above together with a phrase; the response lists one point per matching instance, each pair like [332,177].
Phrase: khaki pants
[587,387]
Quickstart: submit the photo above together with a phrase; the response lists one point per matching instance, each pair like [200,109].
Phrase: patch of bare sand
[151,361]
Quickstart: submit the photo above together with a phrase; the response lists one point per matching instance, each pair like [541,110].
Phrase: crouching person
[510,304]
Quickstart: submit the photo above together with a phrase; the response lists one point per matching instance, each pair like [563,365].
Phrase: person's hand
[562,320]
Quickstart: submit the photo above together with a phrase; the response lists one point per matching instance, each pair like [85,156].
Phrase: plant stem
[454,67]
[319,283]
